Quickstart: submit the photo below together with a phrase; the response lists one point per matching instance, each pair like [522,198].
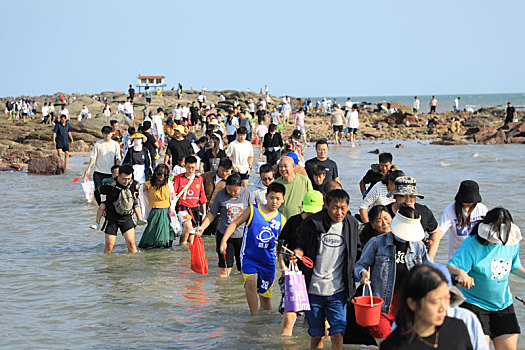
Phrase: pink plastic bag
[295,293]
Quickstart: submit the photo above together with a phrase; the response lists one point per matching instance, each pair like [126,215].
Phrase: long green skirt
[157,233]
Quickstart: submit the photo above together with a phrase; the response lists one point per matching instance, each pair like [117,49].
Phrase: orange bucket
[367,309]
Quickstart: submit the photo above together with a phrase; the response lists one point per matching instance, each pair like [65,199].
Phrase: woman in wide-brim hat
[385,261]
[461,215]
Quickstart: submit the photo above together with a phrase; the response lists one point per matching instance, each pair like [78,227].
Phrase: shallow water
[59,290]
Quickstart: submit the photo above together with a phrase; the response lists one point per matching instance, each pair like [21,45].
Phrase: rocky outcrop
[511,133]
[50,165]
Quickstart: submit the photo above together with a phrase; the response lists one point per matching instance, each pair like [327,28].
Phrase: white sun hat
[407,229]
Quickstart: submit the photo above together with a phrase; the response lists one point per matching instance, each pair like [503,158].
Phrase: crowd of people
[201,187]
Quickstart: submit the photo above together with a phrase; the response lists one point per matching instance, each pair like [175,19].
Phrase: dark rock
[498,138]
[400,146]
[50,165]
[376,151]
[4,165]
[17,167]
[517,139]
[449,142]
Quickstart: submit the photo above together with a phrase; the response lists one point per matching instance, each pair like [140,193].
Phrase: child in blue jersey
[263,225]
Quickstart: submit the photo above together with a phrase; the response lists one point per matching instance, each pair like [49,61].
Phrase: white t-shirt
[239,154]
[185,112]
[450,221]
[232,128]
[157,127]
[349,105]
[105,155]
[120,107]
[177,114]
[45,111]
[456,103]
[128,107]
[352,120]
[416,104]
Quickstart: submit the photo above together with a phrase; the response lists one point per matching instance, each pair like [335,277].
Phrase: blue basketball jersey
[260,237]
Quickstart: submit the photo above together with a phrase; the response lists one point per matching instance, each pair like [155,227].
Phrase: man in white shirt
[415,106]
[45,113]
[104,155]
[120,108]
[456,104]
[240,152]
[201,99]
[128,108]
[185,114]
[157,127]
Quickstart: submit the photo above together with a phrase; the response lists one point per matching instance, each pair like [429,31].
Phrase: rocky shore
[21,142]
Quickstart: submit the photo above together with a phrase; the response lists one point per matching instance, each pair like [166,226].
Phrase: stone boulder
[498,138]
[400,118]
[50,165]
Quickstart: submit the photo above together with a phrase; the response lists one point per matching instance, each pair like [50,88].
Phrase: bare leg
[129,237]
[186,228]
[287,323]
[100,212]
[251,294]
[224,272]
[66,160]
[316,342]
[59,154]
[110,243]
[337,341]
[245,183]
[266,303]
[506,342]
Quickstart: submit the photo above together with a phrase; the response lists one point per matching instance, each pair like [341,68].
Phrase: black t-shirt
[330,166]
[209,162]
[371,177]
[289,231]
[452,335]
[260,115]
[150,143]
[131,92]
[194,112]
[112,193]
[428,221]
[178,149]
[138,158]
[510,113]
[401,265]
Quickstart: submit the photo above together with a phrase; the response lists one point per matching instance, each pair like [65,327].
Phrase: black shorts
[244,176]
[352,131]
[338,128]
[496,323]
[64,148]
[432,109]
[233,250]
[148,99]
[111,227]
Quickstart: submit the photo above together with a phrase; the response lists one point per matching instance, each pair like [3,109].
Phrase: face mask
[137,145]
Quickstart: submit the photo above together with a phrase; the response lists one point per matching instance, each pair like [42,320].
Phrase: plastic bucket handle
[371,294]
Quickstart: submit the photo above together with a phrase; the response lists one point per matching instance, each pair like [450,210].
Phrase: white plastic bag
[88,187]
[175,225]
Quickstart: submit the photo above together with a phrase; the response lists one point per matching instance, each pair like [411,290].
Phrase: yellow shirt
[158,198]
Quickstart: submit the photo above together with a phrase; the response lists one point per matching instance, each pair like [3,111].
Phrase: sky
[300,48]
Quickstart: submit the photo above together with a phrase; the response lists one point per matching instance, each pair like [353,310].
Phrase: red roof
[151,77]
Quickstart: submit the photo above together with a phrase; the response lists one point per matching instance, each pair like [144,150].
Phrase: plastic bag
[175,225]
[295,294]
[88,187]
[199,263]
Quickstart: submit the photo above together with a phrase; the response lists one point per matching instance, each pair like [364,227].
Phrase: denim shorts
[332,308]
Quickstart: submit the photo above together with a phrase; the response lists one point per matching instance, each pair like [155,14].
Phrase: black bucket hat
[468,192]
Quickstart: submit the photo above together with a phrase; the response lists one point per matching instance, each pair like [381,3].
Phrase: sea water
[59,291]
[445,102]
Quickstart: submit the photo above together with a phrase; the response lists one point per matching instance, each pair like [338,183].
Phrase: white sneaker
[94,227]
[142,222]
[353,144]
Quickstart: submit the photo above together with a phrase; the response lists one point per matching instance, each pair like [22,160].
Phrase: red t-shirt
[195,194]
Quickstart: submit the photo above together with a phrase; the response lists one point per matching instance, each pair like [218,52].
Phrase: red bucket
[367,309]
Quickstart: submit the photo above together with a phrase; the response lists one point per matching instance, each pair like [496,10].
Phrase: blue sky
[301,48]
